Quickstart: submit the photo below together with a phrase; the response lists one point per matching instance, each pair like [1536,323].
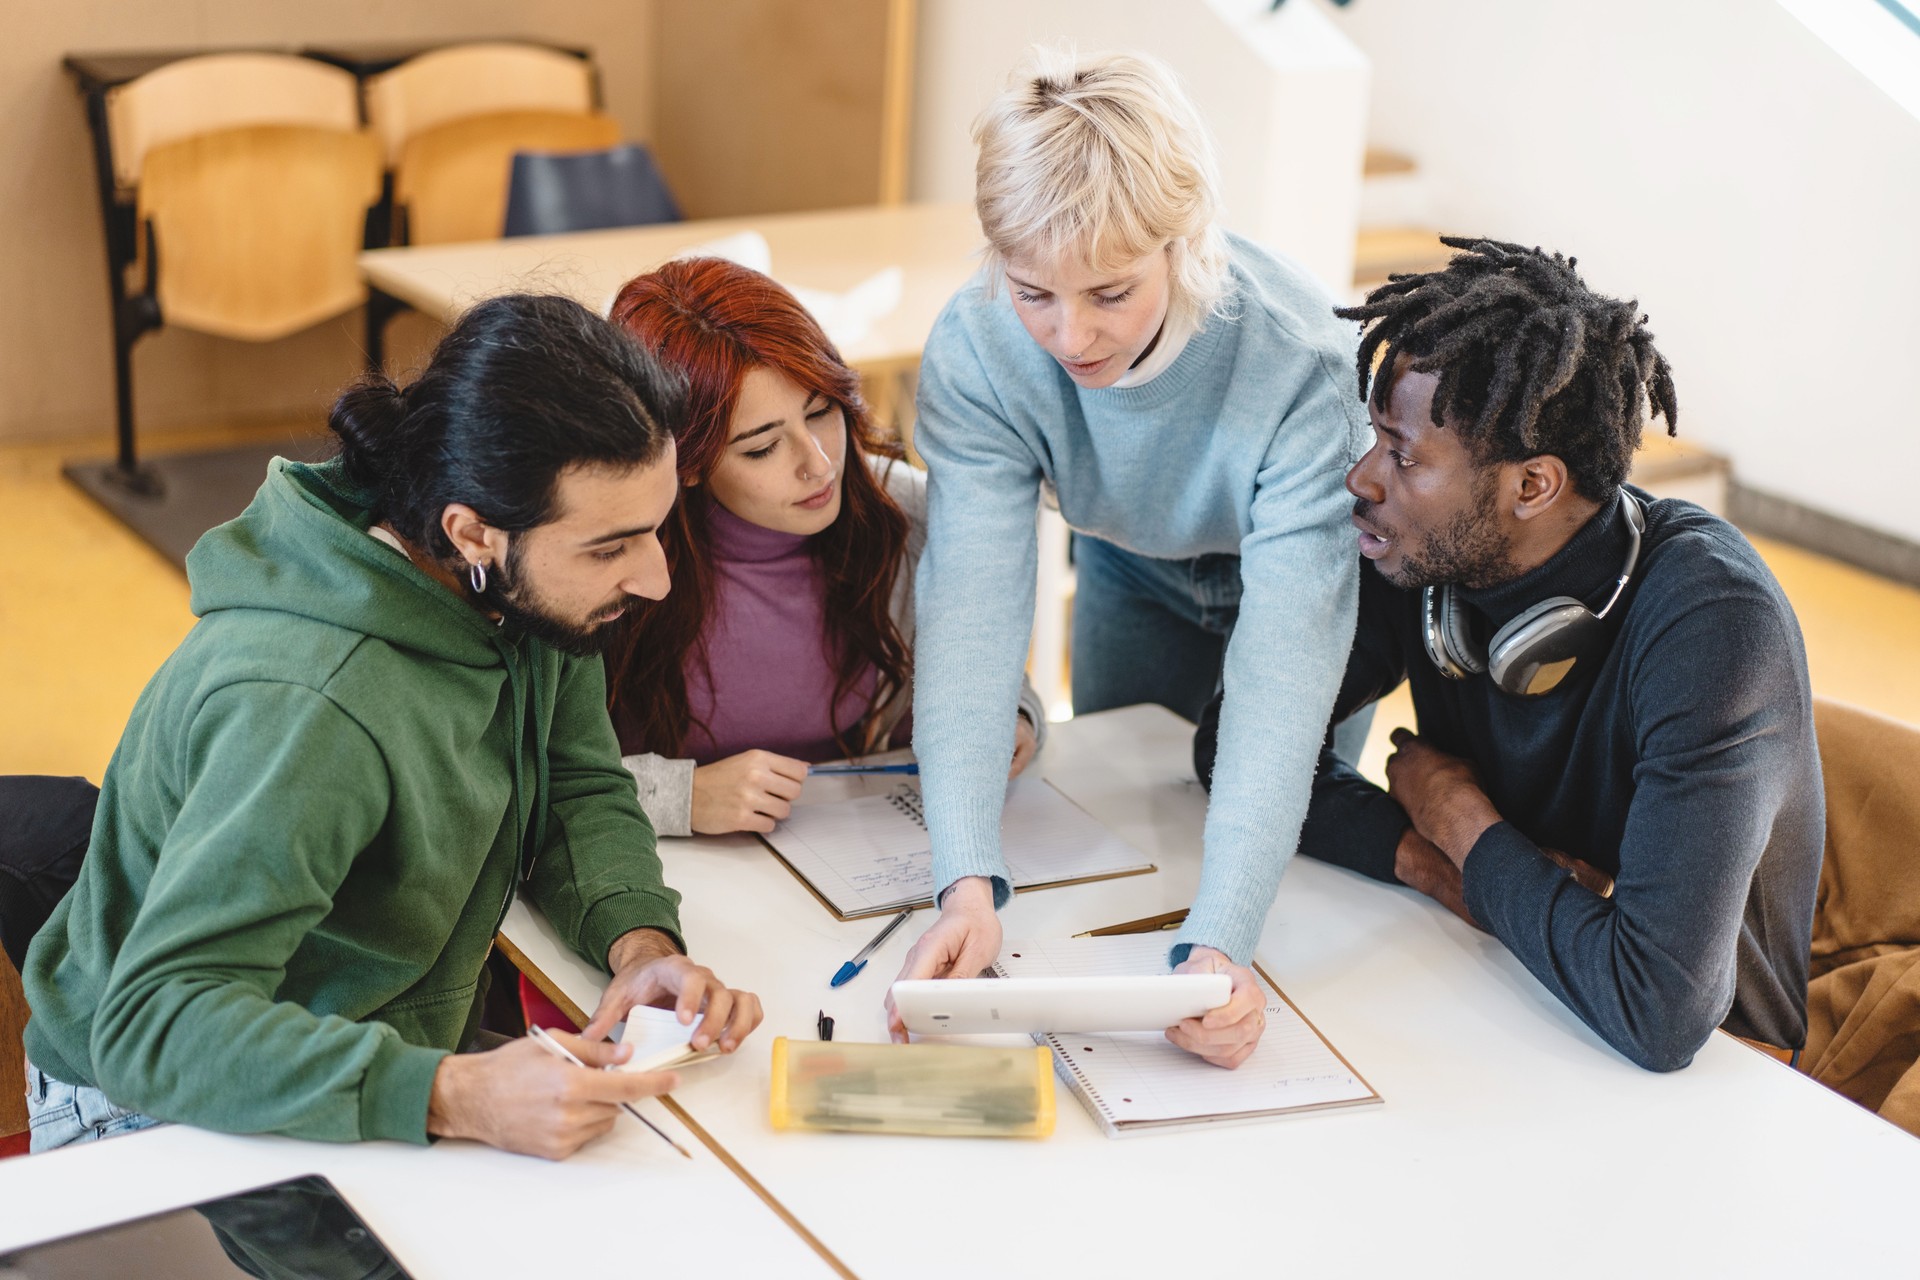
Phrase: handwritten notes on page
[872,855]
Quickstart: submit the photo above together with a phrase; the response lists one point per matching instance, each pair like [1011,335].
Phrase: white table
[454,1210]
[1512,1141]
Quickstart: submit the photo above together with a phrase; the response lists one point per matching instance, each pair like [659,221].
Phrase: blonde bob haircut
[1102,157]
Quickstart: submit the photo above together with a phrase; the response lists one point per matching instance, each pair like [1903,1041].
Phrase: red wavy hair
[716,321]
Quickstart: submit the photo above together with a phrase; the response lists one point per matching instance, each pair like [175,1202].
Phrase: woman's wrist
[968,893]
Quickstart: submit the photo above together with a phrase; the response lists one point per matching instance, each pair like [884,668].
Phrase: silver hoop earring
[477,577]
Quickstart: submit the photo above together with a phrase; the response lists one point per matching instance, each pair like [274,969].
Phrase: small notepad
[1136,1082]
[872,855]
[660,1042]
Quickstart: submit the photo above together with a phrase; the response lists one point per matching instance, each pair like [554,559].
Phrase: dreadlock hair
[1530,360]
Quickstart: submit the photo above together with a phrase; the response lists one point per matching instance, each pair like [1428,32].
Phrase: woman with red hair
[788,635]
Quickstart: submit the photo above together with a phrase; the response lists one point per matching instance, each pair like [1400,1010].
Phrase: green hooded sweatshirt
[306,839]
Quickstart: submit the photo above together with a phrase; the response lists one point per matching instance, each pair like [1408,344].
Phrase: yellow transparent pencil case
[941,1090]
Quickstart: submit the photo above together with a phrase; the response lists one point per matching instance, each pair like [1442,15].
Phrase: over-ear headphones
[1532,654]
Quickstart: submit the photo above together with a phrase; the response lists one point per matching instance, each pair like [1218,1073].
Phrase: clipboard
[1132,1085]
[855,855]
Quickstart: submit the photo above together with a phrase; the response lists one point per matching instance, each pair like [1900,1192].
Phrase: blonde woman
[1188,399]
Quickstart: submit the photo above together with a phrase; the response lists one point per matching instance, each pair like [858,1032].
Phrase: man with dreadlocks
[1615,770]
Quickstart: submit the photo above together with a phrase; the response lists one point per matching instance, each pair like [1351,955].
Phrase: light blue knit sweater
[1241,445]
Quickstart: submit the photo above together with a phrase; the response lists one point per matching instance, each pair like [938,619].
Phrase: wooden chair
[442,88]
[451,182]
[42,844]
[454,83]
[224,91]
[175,102]
[1863,994]
[13,1057]
[256,231]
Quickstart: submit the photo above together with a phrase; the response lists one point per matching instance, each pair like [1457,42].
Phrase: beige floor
[88,612]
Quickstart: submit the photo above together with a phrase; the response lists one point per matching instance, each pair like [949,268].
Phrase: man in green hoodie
[388,719]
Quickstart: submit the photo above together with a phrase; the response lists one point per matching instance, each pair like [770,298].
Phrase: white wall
[1718,161]
[1284,96]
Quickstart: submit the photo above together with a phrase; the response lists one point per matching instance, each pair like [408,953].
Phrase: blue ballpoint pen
[913,769]
[852,967]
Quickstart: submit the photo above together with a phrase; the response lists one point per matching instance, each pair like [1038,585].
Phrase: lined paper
[1139,1080]
[873,854]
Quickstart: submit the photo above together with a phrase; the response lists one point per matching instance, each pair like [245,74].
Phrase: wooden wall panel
[764,106]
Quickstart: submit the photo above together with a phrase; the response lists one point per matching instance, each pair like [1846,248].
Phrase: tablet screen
[298,1228]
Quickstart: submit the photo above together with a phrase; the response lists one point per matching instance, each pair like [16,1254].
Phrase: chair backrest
[550,193]
[1869,893]
[451,182]
[13,1056]
[465,80]
[224,91]
[257,231]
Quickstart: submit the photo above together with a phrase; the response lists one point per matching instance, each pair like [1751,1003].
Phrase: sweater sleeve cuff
[1232,934]
[971,846]
[622,913]
[1002,888]
[396,1090]
[666,792]
[1502,868]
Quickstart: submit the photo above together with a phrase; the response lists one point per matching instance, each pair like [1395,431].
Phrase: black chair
[586,191]
[44,830]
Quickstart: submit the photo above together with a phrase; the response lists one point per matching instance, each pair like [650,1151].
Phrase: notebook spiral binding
[907,800]
[1086,1090]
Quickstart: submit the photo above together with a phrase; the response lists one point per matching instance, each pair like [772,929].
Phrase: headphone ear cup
[1469,649]
[1450,642]
[1532,654]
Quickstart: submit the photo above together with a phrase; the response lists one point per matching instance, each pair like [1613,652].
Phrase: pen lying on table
[547,1042]
[814,769]
[1152,924]
[851,969]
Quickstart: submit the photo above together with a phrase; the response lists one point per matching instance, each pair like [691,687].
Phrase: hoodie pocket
[436,1020]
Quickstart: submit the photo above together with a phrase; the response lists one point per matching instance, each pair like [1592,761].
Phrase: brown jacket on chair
[1863,996]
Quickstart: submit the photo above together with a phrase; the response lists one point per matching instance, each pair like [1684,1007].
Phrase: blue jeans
[59,1114]
[1147,630]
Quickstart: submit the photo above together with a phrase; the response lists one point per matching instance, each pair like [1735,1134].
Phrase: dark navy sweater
[1682,763]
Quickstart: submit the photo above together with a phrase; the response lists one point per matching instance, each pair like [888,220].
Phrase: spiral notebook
[1137,1082]
[870,856]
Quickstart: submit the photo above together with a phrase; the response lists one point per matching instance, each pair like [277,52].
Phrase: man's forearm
[637,947]
[1351,822]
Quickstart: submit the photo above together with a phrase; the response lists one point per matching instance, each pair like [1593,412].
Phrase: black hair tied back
[366,419]
[523,387]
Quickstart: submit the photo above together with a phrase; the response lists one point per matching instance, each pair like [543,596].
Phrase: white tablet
[969,1006]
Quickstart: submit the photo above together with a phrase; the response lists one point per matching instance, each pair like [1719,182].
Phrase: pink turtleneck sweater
[771,679]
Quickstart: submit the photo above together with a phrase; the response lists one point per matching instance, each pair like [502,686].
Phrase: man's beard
[1471,552]
[521,607]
